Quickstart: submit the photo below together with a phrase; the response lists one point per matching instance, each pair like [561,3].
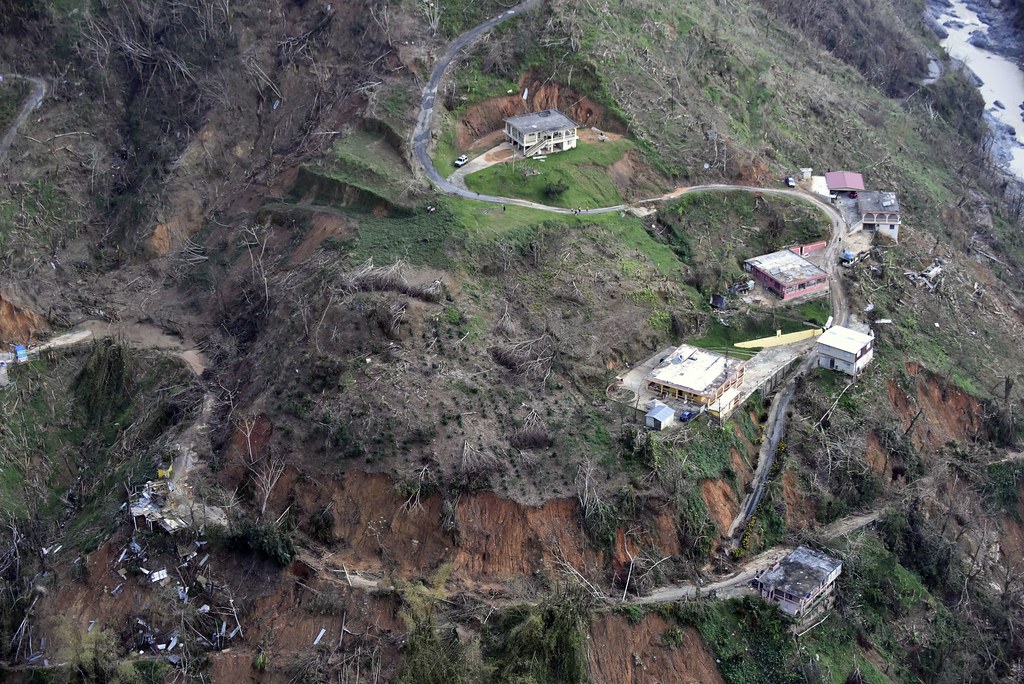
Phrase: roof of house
[661,413]
[844,180]
[876,201]
[541,122]
[800,572]
[844,339]
[786,267]
[694,370]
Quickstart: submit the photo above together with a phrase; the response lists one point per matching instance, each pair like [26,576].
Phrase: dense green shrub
[265,538]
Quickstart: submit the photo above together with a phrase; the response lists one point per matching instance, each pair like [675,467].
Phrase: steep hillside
[398,447]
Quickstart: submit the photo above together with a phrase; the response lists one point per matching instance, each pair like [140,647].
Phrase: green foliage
[544,644]
[696,533]
[554,189]
[429,658]
[708,453]
[12,91]
[259,661]
[750,639]
[420,238]
[634,612]
[672,637]
[919,545]
[1002,487]
[103,386]
[266,538]
[744,328]
[782,221]
[573,178]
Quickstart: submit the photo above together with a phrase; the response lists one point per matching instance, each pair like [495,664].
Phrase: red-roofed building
[844,181]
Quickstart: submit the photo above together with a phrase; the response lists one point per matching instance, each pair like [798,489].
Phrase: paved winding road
[33,101]
[840,311]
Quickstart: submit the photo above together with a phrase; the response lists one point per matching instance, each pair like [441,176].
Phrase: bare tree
[255,239]
[432,13]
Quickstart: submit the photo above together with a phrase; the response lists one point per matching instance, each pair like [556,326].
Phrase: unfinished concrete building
[699,377]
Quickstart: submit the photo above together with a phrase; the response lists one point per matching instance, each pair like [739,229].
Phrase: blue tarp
[21,353]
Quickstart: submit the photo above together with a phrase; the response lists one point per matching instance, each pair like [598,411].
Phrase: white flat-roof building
[699,377]
[541,132]
[845,350]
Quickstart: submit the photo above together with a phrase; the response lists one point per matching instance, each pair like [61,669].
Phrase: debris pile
[151,506]
[929,277]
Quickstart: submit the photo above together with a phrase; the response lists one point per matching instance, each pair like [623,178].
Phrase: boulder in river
[979,39]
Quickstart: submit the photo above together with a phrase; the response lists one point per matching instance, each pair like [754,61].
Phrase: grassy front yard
[575,178]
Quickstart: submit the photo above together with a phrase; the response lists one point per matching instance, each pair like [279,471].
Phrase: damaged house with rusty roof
[801,584]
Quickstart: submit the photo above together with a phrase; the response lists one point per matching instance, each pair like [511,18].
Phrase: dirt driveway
[498,154]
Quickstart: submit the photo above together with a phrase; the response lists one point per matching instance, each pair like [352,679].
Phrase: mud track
[34,99]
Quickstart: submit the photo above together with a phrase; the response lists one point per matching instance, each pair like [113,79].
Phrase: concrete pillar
[4,379]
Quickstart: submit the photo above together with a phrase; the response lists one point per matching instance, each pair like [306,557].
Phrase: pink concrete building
[787,274]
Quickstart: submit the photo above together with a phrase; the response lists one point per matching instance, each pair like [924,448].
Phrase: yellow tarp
[780,339]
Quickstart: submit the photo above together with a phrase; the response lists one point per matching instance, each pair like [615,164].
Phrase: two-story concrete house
[845,350]
[541,132]
[880,213]
[801,583]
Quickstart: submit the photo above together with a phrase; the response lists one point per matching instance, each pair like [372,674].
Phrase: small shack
[660,416]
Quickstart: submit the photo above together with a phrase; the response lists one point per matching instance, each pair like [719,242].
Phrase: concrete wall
[834,359]
[889,231]
[809,248]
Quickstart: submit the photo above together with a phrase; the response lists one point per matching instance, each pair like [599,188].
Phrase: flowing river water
[1002,80]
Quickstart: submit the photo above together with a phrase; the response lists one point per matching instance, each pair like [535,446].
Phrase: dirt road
[33,101]
[136,334]
[738,584]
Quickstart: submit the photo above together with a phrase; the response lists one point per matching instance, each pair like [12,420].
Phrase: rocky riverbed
[981,39]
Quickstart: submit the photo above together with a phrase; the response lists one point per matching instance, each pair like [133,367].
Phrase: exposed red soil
[247,444]
[18,324]
[482,119]
[631,654]
[497,539]
[875,455]
[721,501]
[661,534]
[323,226]
[799,509]
[947,412]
